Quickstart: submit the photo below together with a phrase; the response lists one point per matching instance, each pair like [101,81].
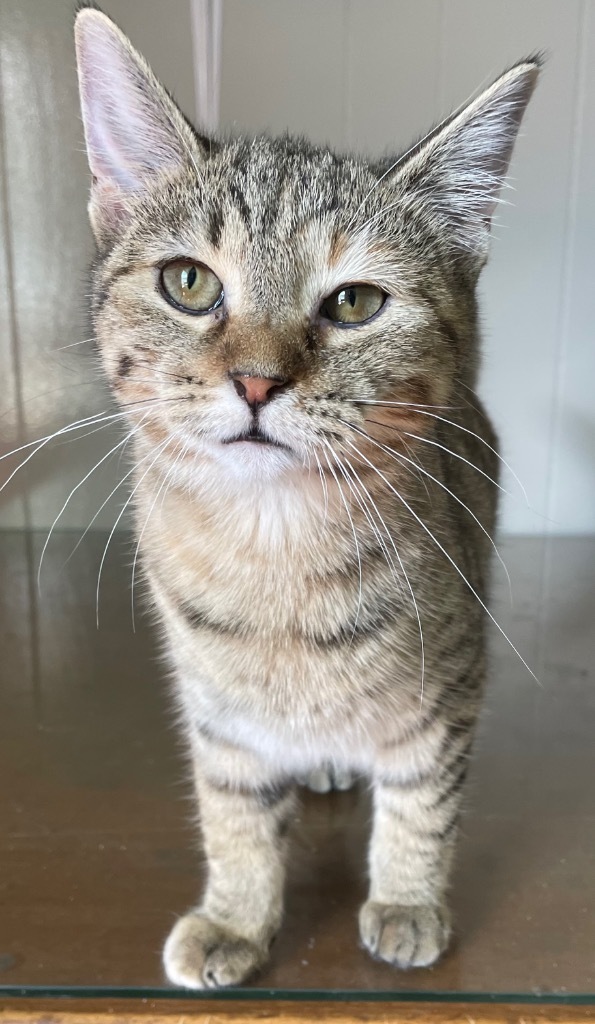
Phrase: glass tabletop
[99,853]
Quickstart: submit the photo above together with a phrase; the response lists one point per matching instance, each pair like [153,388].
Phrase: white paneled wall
[373,75]
[364,74]
[48,370]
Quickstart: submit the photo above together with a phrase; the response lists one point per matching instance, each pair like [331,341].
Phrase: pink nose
[256,390]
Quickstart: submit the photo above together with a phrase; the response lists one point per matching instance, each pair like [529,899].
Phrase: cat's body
[314,496]
[265,594]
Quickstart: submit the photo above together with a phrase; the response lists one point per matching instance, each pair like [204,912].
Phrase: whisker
[359,560]
[139,380]
[113,491]
[447,556]
[456,455]
[73,344]
[324,488]
[123,449]
[406,468]
[96,417]
[38,448]
[167,476]
[418,467]
[88,421]
[88,433]
[472,433]
[397,456]
[466,430]
[166,373]
[53,391]
[145,401]
[114,527]
[72,493]
[408,583]
[409,405]
[355,491]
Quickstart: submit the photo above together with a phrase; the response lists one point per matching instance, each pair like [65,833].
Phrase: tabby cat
[293,335]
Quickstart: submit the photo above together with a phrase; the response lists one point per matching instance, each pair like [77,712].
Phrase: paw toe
[322,780]
[200,954]
[404,936]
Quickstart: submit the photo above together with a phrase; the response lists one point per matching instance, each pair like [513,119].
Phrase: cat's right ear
[134,132]
[453,176]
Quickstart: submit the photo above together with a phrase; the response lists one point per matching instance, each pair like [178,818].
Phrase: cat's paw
[404,936]
[323,779]
[201,954]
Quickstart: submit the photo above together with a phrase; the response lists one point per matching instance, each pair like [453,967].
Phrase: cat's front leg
[245,811]
[417,789]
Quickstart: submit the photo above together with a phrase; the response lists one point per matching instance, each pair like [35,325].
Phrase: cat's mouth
[255,436]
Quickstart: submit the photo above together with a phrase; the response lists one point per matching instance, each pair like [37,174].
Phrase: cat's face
[251,273]
[253,296]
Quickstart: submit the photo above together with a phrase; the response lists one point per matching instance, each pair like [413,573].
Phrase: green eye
[353,304]
[191,286]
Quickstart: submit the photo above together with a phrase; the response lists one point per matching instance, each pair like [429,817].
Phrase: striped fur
[320,596]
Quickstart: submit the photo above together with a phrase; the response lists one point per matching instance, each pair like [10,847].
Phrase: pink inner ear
[129,129]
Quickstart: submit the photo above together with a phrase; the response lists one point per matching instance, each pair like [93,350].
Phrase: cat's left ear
[133,129]
[457,171]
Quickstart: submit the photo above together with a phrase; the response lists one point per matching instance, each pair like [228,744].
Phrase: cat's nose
[257,390]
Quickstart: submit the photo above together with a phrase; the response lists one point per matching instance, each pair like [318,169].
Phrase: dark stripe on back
[349,568]
[199,619]
[207,733]
[454,786]
[426,721]
[357,632]
[348,633]
[443,835]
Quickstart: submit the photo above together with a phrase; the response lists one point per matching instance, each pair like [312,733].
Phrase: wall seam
[206,24]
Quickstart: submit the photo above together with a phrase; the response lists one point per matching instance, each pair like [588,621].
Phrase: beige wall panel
[161,30]
[12,507]
[522,285]
[394,72]
[50,243]
[371,74]
[404,66]
[572,481]
[283,66]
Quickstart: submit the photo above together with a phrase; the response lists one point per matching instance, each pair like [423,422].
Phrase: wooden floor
[98,852]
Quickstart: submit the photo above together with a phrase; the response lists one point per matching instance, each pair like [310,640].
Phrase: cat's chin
[249,460]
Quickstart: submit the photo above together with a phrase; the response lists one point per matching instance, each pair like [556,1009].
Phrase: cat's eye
[191,286]
[353,304]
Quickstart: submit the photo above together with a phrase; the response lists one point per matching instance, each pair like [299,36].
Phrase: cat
[293,335]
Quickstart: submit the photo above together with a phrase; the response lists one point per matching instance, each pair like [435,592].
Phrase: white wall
[368,74]
[373,75]
[48,372]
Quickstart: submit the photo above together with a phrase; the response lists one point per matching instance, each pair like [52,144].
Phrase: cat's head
[254,297]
